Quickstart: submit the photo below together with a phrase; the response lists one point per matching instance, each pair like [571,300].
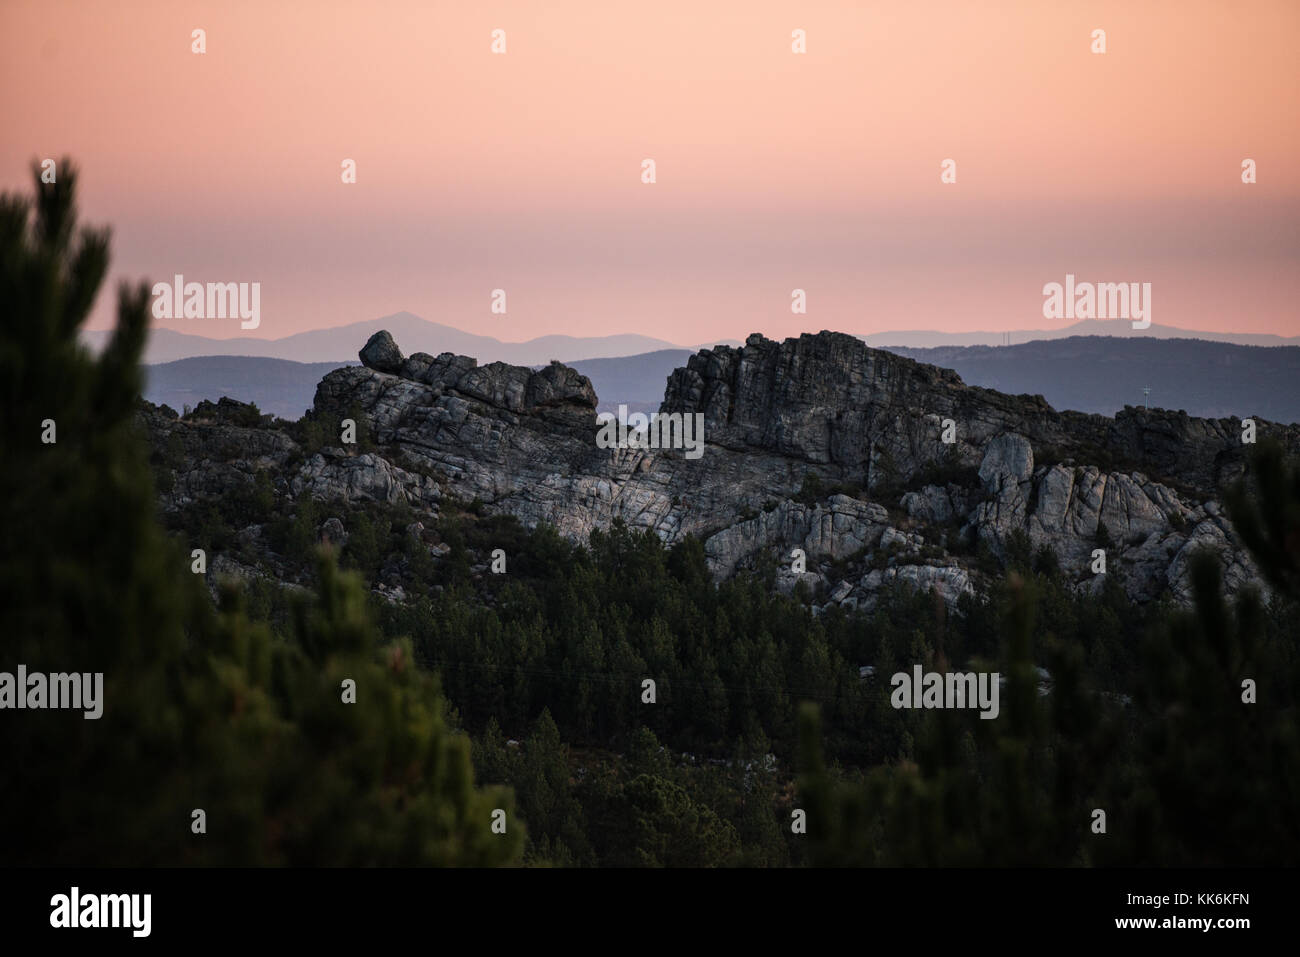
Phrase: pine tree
[1206,772]
[201,709]
[1220,757]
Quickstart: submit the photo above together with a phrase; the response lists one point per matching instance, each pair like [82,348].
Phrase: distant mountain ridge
[1103,375]
[276,386]
[1083,373]
[1116,328]
[339,344]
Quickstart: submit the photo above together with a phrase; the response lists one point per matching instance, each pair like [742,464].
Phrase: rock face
[817,443]
[333,475]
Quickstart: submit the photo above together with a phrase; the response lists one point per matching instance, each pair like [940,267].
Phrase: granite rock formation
[816,443]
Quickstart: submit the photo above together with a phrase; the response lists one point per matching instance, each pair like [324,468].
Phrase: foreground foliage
[202,709]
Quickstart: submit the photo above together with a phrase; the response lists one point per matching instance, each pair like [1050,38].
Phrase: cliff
[879,467]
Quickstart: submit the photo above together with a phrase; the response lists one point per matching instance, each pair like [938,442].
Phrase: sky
[775,170]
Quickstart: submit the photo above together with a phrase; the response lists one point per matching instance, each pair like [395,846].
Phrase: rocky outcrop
[835,529]
[205,457]
[936,505]
[1142,525]
[950,582]
[877,467]
[333,475]
[875,417]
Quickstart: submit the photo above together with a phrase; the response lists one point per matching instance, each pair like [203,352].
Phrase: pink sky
[775,171]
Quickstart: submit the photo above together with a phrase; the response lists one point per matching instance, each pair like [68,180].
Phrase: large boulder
[381,353]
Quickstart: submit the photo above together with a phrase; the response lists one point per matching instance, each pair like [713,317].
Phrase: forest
[1128,734]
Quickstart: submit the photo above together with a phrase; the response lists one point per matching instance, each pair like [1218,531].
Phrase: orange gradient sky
[775,171]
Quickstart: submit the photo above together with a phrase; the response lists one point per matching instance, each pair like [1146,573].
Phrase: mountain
[634,381]
[339,344]
[1118,328]
[275,386]
[880,468]
[1103,374]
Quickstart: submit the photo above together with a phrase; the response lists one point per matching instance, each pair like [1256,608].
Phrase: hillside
[818,443]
